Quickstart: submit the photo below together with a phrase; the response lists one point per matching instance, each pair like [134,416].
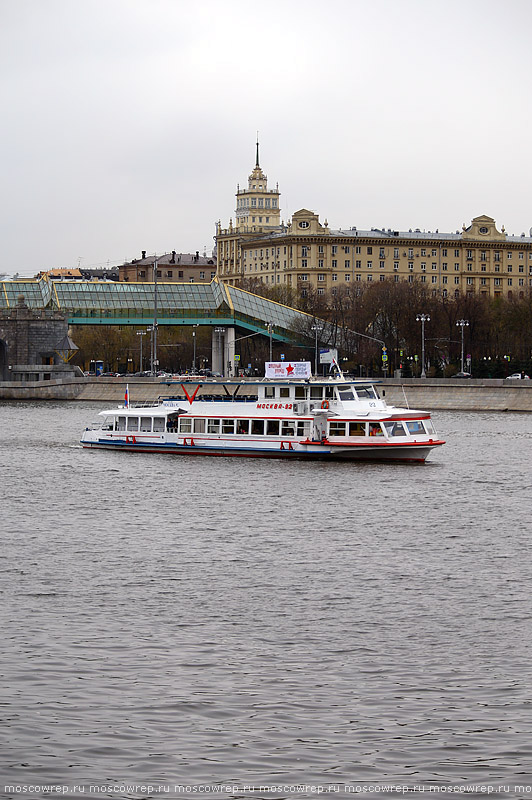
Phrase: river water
[212,626]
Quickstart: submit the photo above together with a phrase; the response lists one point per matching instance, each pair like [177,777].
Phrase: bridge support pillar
[223,351]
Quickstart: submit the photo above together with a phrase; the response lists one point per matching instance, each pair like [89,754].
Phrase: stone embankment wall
[429,394]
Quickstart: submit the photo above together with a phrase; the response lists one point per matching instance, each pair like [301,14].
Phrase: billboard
[288,369]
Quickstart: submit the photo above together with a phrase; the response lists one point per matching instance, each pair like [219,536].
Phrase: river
[178,625]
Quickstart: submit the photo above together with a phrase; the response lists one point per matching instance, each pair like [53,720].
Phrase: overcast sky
[127,124]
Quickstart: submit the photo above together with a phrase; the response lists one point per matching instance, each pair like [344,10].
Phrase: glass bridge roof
[102,302]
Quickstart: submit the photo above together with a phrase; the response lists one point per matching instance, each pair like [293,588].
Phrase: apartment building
[304,253]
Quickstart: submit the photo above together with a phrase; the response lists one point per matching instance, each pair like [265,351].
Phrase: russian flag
[126,396]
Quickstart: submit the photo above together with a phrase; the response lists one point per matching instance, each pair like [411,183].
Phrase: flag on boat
[126,396]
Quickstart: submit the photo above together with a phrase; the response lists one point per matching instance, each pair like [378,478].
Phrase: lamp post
[194,351]
[423,318]
[315,328]
[141,334]
[153,328]
[270,329]
[462,323]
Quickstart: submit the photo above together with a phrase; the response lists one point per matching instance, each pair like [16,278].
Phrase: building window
[334,276]
[434,279]
[423,279]
[510,281]
[382,264]
[396,278]
[457,253]
[334,263]
[370,277]
[346,249]
[320,263]
[304,251]
[358,249]
[444,279]
[334,249]
[202,276]
[347,263]
[410,265]
[321,276]
[321,291]
[382,254]
[410,252]
[370,251]
[358,264]
[320,248]
[423,266]
[180,274]
[304,263]
[457,267]
[370,264]
[423,252]
[396,265]
[444,252]
[347,277]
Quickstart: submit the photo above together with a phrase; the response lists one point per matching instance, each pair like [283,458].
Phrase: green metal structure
[89,302]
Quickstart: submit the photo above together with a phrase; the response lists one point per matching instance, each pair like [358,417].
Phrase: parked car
[517,376]
[462,375]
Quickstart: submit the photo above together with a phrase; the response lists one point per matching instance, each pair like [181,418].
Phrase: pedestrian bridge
[90,302]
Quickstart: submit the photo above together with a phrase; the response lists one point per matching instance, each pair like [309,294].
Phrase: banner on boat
[288,369]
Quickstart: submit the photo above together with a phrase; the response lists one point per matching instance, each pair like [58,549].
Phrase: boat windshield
[366,393]
[346,393]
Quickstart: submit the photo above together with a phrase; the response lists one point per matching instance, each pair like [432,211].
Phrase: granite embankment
[430,393]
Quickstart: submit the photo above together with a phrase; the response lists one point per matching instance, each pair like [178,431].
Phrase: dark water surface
[197,622]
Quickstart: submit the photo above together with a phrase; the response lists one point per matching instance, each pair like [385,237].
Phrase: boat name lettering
[275,405]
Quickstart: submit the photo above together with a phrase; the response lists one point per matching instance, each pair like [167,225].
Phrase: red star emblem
[289,369]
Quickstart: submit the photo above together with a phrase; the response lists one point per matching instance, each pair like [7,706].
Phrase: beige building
[304,253]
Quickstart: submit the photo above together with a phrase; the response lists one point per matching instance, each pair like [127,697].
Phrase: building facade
[171,267]
[304,253]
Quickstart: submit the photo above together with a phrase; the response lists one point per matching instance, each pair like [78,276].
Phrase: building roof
[174,259]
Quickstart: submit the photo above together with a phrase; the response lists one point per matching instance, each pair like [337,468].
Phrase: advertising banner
[288,369]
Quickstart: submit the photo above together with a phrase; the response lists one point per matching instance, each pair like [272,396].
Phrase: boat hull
[322,451]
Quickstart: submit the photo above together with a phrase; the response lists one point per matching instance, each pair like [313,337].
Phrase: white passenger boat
[327,418]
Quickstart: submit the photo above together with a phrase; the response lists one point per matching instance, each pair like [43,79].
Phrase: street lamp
[462,323]
[269,325]
[219,333]
[194,342]
[315,328]
[141,334]
[423,318]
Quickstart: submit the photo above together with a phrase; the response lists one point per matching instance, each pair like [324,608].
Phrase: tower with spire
[257,207]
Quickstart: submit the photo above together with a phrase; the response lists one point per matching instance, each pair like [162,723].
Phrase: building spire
[257,161]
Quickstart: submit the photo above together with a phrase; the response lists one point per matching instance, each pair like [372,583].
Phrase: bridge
[226,309]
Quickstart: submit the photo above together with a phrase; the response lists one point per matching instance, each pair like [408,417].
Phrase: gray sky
[127,124]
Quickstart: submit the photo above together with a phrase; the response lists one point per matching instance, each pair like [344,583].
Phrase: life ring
[325,404]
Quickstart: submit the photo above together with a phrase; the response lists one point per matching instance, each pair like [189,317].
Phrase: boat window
[316,392]
[429,427]
[257,427]
[185,425]
[346,393]
[145,424]
[269,391]
[357,429]
[284,391]
[272,427]
[394,428]
[213,426]
[336,428]
[303,428]
[375,429]
[300,392]
[228,426]
[108,424]
[242,426]
[158,424]
[199,425]
[121,424]
[329,392]
[366,393]
[288,427]
[133,423]
[415,427]
[171,424]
